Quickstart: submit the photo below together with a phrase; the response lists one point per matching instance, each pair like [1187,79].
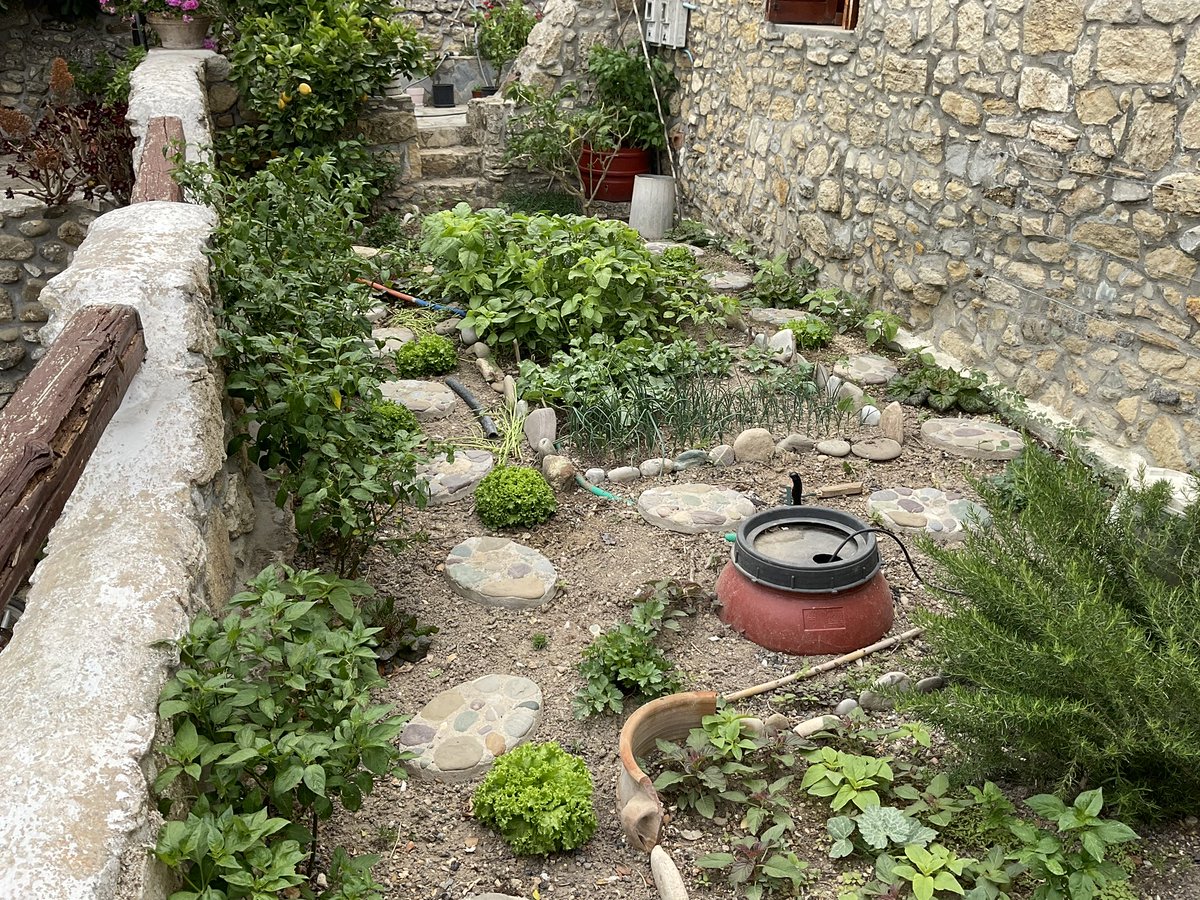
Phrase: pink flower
[189,5]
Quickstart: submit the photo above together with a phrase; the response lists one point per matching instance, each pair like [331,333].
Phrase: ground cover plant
[925,383]
[1073,647]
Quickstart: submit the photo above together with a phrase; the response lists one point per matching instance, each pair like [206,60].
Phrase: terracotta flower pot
[609,174]
[176,34]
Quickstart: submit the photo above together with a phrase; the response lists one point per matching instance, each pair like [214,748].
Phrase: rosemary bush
[1075,652]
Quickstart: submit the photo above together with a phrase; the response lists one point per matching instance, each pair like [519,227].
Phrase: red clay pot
[608,174]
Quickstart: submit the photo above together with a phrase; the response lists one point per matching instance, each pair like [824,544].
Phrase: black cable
[903,549]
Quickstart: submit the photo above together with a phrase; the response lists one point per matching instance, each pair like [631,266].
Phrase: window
[842,13]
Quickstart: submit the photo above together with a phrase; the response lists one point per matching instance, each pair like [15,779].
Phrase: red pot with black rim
[608,174]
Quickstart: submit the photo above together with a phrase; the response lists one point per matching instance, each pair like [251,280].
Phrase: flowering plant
[183,9]
[501,29]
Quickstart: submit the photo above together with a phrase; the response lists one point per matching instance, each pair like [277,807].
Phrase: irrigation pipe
[485,421]
[599,491]
[825,666]
[409,298]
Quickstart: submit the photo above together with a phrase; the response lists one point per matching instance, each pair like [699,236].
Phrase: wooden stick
[825,666]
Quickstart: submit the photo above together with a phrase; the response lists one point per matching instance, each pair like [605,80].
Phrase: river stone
[754,445]
[693,508]
[559,471]
[462,730]
[931,684]
[837,448]
[595,476]
[392,339]
[810,727]
[722,455]
[493,571]
[483,351]
[624,474]
[376,313]
[846,707]
[450,481]
[878,449]
[689,458]
[510,392]
[728,282]
[783,345]
[867,368]
[795,443]
[428,400]
[540,425]
[775,318]
[666,875]
[891,422]
[943,515]
[652,468]
[447,326]
[973,438]
[657,247]
[869,415]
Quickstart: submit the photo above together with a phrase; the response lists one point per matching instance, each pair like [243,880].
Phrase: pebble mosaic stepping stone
[393,339]
[878,449]
[657,247]
[461,731]
[693,508]
[867,369]
[728,282]
[944,515]
[776,318]
[494,571]
[428,400]
[975,438]
[450,481]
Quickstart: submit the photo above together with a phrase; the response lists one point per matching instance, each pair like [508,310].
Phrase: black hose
[908,559]
[485,421]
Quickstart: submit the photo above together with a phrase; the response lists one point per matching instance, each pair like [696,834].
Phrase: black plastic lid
[811,567]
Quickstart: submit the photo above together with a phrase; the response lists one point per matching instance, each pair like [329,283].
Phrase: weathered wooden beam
[52,424]
[156,171]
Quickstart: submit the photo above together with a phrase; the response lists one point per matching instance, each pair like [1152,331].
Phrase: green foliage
[514,497]
[1074,649]
[624,87]
[776,286]
[879,827]
[878,326]
[388,230]
[931,870]
[539,281]
[305,69]
[925,383]
[533,203]
[1009,485]
[397,417]
[501,29]
[811,333]
[539,641]
[846,777]
[430,354]
[272,721]
[539,797]
[625,661]
[293,335]
[689,231]
[107,79]
[399,634]
[760,865]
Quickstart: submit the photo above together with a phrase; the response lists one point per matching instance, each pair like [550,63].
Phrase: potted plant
[501,30]
[179,24]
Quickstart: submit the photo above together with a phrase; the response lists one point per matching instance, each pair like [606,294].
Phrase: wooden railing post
[53,422]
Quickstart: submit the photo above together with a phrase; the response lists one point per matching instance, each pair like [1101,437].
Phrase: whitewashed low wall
[143,543]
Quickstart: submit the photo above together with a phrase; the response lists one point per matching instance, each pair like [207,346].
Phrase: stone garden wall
[1019,179]
[30,39]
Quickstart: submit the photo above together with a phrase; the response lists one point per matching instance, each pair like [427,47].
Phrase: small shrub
[539,797]
[400,635]
[539,641]
[928,384]
[397,417]
[810,333]
[533,203]
[514,496]
[501,30]
[776,285]
[428,355]
[689,231]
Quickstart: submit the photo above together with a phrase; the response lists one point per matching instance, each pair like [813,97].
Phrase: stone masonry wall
[33,248]
[1019,179]
[29,40]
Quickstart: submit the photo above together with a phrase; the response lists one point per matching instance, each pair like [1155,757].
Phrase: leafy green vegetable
[431,354]
[514,496]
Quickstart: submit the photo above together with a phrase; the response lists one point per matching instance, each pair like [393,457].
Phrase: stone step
[444,136]
[441,193]
[449,162]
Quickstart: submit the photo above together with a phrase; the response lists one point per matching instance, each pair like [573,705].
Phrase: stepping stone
[975,438]
[494,571]
[657,247]
[693,508]
[833,448]
[428,400]
[867,369]
[944,515]
[461,731]
[776,318]
[878,449]
[393,339]
[728,282]
[450,481]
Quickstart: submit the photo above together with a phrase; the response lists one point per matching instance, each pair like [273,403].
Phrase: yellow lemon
[304,89]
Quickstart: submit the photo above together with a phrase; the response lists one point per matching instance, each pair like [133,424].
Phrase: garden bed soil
[431,847]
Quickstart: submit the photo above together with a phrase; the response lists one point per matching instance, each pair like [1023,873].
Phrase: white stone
[172,83]
[754,445]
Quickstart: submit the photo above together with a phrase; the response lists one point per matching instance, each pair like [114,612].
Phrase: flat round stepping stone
[879,449]
[944,515]
[728,282]
[461,731]
[776,318]
[833,448]
[693,508]
[428,400]
[867,369]
[393,339]
[657,247]
[450,481]
[975,438]
[493,571]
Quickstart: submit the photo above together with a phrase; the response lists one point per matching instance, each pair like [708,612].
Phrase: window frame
[840,14]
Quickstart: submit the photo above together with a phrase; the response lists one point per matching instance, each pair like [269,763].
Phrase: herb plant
[811,333]
[539,797]
[514,496]
[925,383]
